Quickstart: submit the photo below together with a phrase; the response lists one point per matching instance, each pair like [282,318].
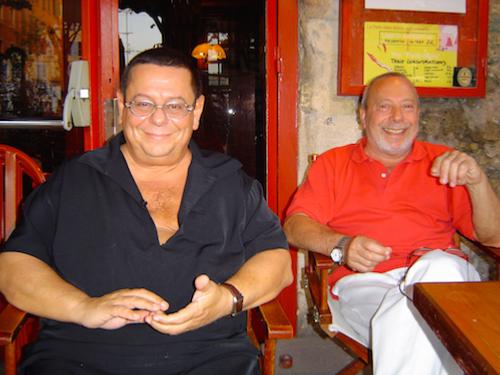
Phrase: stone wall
[327,120]
[472,125]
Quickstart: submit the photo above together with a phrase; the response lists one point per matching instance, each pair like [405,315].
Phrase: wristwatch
[337,253]
[237,298]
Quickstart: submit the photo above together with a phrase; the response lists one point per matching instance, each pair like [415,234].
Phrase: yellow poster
[426,54]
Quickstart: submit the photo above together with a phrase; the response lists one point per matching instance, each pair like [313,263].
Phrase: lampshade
[210,52]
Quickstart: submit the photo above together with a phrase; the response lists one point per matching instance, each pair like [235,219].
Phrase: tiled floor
[312,355]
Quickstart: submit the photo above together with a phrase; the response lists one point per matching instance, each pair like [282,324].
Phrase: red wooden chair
[17,172]
[316,272]
[15,167]
[317,269]
[266,324]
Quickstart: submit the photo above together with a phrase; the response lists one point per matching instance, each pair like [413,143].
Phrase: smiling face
[390,119]
[158,139]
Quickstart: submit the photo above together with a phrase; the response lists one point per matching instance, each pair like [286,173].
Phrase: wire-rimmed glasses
[175,109]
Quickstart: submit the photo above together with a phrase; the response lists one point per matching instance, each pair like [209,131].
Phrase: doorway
[274,57]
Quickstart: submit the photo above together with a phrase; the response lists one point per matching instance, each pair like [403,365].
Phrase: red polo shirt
[405,209]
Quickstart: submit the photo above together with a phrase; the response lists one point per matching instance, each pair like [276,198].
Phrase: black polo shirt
[90,223]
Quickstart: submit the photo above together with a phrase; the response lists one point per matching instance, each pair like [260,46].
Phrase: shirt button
[383,175]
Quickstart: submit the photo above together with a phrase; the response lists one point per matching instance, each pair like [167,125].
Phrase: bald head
[372,85]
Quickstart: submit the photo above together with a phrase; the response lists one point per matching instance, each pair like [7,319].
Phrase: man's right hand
[119,308]
[33,286]
[363,254]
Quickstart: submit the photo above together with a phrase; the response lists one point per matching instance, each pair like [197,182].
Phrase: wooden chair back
[19,174]
[15,168]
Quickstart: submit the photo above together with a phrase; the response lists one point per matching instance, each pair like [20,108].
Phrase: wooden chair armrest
[267,324]
[11,321]
[320,261]
[271,322]
[492,252]
[317,270]
[489,251]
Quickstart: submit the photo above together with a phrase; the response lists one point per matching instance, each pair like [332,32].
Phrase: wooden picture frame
[472,44]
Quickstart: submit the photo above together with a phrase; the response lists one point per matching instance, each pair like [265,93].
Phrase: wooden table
[466,318]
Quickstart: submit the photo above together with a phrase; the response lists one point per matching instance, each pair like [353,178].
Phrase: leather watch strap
[237,298]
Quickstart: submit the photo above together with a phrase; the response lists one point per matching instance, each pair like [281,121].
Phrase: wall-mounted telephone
[76,110]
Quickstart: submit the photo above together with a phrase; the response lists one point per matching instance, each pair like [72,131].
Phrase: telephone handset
[76,110]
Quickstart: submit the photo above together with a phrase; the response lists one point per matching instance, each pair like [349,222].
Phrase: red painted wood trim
[287,129]
[287,102]
[281,98]
[482,46]
[90,31]
[100,48]
[272,103]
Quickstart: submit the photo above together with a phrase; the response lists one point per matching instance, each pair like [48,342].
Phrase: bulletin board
[466,75]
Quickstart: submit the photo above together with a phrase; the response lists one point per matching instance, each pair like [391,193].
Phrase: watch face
[336,255]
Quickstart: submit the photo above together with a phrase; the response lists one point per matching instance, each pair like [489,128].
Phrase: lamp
[208,52]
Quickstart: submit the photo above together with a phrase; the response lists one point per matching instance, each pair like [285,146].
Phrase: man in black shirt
[140,255]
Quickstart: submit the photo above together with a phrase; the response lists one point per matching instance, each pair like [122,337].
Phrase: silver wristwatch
[337,253]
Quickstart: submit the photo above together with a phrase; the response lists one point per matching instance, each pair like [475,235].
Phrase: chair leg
[269,352]
[10,359]
[353,368]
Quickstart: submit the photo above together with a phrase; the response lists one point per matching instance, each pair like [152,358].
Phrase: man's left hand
[210,302]
[456,168]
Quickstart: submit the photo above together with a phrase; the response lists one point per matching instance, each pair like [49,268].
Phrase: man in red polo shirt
[383,208]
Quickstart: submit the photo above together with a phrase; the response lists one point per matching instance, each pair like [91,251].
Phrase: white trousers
[378,308]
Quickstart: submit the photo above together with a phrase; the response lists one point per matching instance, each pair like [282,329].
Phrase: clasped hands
[452,168]
[132,306]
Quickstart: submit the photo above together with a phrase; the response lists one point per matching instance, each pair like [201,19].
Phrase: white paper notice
[447,6]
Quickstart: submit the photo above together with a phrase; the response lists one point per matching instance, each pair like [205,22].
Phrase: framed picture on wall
[441,46]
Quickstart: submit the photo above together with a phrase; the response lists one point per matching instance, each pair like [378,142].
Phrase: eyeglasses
[175,110]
